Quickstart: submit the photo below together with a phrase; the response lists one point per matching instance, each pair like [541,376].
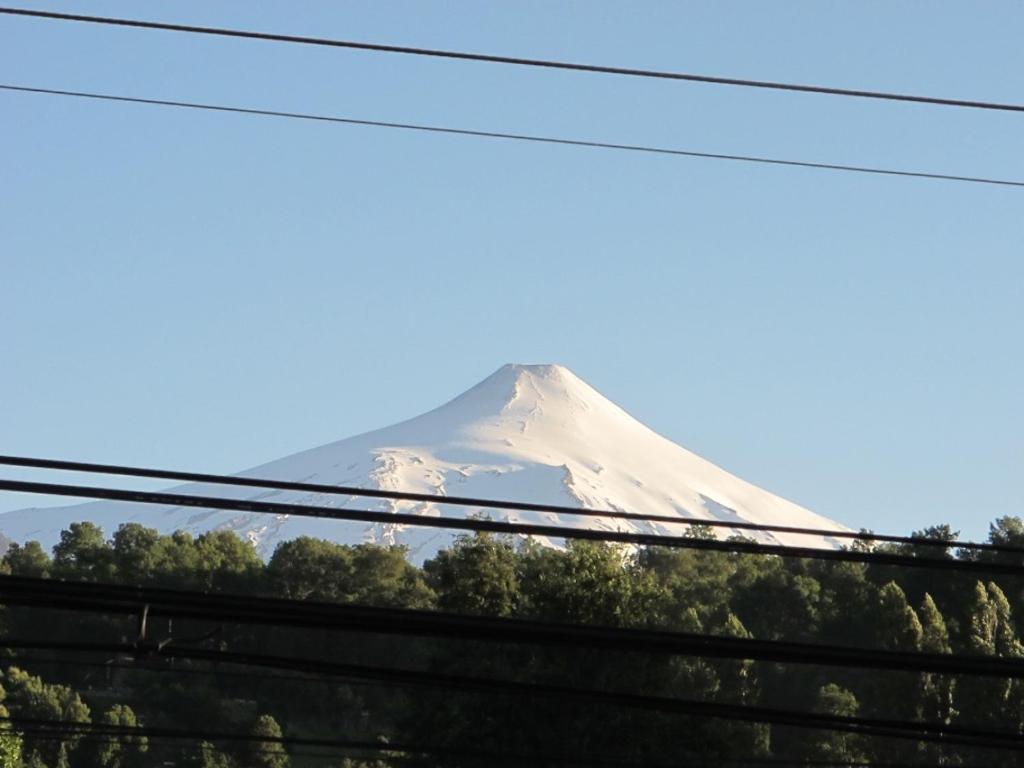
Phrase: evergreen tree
[1006,642]
[836,747]
[206,755]
[846,597]
[10,747]
[366,574]
[477,575]
[897,625]
[587,581]
[693,677]
[123,751]
[10,740]
[736,682]
[757,603]
[989,632]
[1008,645]
[134,553]
[1007,531]
[28,559]
[266,754]
[82,554]
[898,695]
[225,563]
[737,678]
[936,690]
[981,623]
[934,634]
[31,698]
[176,561]
[383,576]
[310,569]
[690,579]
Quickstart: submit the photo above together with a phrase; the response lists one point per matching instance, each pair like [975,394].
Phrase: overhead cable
[245,481]
[308,614]
[387,751]
[551,140]
[52,734]
[866,726]
[736,545]
[515,60]
[68,729]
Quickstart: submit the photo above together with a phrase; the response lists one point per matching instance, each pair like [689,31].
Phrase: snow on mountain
[525,433]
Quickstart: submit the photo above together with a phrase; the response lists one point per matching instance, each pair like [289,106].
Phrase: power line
[305,614]
[51,733]
[523,137]
[742,546]
[124,665]
[467,501]
[664,151]
[69,729]
[53,730]
[388,752]
[876,727]
[517,61]
[55,733]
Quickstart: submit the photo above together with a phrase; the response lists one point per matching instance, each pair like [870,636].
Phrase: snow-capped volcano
[526,433]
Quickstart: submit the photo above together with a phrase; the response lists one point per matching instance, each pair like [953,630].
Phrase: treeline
[835,603]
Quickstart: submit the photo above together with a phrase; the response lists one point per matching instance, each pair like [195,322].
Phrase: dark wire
[465,501]
[388,752]
[881,727]
[521,137]
[125,663]
[526,529]
[304,614]
[49,733]
[71,729]
[519,61]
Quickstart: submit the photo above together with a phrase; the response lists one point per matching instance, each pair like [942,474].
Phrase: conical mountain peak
[549,381]
[525,433]
[537,392]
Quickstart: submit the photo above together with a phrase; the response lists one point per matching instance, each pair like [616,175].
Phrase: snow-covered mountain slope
[526,433]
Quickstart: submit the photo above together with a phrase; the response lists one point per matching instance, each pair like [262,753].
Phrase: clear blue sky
[213,291]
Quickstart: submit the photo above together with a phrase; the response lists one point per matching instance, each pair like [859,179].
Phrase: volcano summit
[526,433]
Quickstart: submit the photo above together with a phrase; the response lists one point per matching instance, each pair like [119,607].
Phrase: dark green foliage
[313,569]
[266,754]
[82,554]
[10,740]
[122,751]
[10,748]
[28,560]
[478,575]
[206,755]
[837,603]
[757,601]
[834,746]
[29,697]
[225,563]
[135,556]
[591,582]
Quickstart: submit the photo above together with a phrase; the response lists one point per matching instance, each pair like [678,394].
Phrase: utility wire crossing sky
[841,342]
[513,136]
[516,61]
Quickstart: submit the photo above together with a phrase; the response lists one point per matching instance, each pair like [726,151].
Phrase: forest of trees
[739,595]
